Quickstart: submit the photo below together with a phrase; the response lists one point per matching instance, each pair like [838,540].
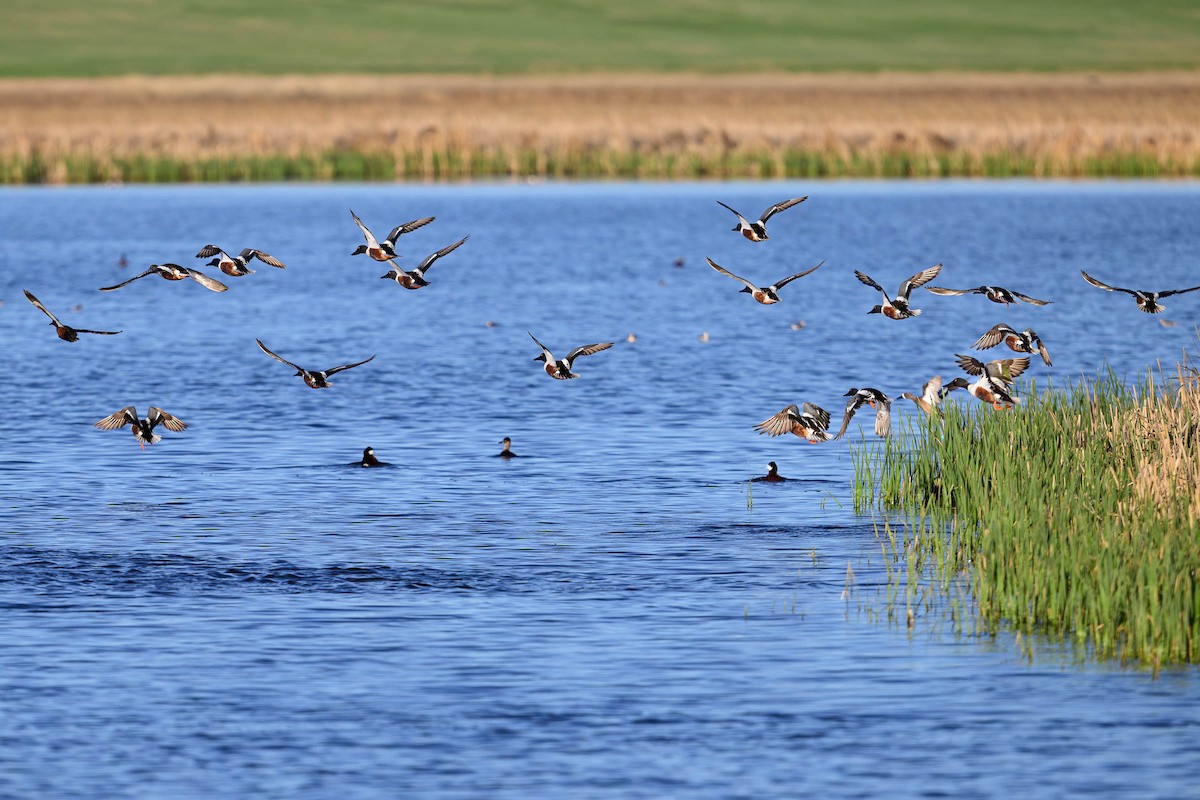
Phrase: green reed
[579,162]
[1075,516]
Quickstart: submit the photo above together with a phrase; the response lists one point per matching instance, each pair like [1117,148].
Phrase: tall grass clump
[1076,516]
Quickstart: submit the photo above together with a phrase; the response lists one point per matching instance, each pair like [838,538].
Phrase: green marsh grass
[1075,516]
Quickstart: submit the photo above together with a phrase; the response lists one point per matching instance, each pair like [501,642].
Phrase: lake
[240,610]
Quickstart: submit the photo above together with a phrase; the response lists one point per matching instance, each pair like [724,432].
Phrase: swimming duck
[898,308]
[1024,342]
[315,379]
[415,279]
[767,295]
[811,424]
[1146,301]
[143,429]
[369,459]
[876,400]
[997,294]
[757,231]
[385,250]
[772,475]
[561,369]
[65,332]
[1002,370]
[174,272]
[236,266]
[506,452]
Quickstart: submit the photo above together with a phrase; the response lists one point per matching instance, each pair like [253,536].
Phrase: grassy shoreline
[1076,517]
[630,126]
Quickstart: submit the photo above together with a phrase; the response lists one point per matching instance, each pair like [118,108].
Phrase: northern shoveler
[506,451]
[369,459]
[415,279]
[561,369]
[143,429]
[1146,301]
[811,424]
[898,308]
[757,231]
[1024,342]
[1004,370]
[876,400]
[174,272]
[385,250]
[765,295]
[238,265]
[65,332]
[315,379]
[933,393]
[772,475]
[997,294]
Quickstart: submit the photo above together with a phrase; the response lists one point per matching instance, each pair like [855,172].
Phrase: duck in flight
[236,266]
[415,279]
[772,475]
[174,272]
[876,400]
[385,250]
[1146,301]
[561,369]
[65,332]
[315,379]
[767,295]
[898,308]
[143,429]
[757,231]
[811,424]
[933,393]
[995,378]
[997,294]
[1027,341]
[506,451]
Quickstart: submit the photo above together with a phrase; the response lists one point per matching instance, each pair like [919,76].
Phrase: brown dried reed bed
[599,126]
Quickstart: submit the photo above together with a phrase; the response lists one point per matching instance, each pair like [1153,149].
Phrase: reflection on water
[239,609]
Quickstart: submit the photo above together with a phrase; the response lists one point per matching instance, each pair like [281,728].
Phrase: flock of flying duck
[810,422]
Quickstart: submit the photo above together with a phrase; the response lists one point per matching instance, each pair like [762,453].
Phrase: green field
[117,37]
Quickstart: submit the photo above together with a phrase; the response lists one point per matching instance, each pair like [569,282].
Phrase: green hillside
[115,37]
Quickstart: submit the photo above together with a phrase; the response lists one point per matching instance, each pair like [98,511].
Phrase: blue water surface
[241,611]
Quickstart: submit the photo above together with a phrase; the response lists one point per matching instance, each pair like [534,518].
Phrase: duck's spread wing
[126,283]
[883,419]
[1042,350]
[920,279]
[1167,293]
[992,338]
[1007,369]
[735,211]
[724,271]
[344,367]
[263,347]
[408,227]
[864,278]
[818,414]
[545,350]
[1105,286]
[267,259]
[852,406]
[210,250]
[972,366]
[931,392]
[780,284]
[942,290]
[118,419]
[212,284]
[784,206]
[159,417]
[428,262]
[586,350]
[779,424]
[1032,300]
[38,304]
[370,237]
[100,333]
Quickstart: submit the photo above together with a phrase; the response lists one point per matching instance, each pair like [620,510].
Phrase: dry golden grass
[615,124]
